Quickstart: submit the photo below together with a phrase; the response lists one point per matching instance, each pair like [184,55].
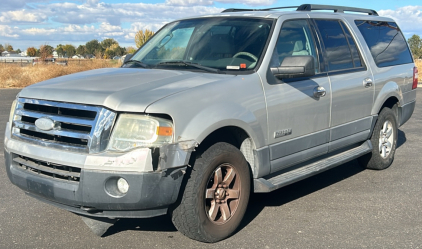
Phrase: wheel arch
[234,135]
[389,95]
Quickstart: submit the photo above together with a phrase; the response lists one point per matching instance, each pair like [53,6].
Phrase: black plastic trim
[338,9]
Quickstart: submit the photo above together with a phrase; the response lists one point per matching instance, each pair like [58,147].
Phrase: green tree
[415,44]
[143,36]
[93,47]
[106,43]
[18,51]
[109,53]
[81,50]
[1,48]
[70,50]
[117,50]
[60,51]
[31,51]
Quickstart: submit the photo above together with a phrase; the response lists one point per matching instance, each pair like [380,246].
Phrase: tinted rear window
[353,48]
[340,47]
[386,42]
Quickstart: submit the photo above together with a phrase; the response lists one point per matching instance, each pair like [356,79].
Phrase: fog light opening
[122,186]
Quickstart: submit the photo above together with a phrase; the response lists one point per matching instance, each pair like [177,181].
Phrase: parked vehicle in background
[211,109]
[43,61]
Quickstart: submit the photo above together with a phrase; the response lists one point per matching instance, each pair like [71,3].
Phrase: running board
[262,185]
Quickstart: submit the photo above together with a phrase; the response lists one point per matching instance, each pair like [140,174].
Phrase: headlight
[12,111]
[133,131]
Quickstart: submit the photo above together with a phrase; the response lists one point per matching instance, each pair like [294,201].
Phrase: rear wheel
[384,141]
[216,195]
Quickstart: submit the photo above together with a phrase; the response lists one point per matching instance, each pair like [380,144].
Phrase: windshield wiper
[186,63]
[137,63]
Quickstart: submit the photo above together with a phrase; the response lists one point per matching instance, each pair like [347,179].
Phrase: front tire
[384,142]
[216,195]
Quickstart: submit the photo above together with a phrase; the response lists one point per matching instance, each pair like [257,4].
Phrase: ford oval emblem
[44,124]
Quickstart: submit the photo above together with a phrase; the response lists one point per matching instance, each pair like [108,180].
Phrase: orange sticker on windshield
[243,65]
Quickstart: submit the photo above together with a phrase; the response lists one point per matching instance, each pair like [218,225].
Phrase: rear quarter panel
[393,81]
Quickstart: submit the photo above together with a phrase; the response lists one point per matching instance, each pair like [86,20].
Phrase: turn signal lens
[164,131]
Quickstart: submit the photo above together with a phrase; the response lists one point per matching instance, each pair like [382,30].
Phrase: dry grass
[15,75]
[419,65]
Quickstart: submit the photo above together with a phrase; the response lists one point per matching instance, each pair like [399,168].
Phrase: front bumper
[150,192]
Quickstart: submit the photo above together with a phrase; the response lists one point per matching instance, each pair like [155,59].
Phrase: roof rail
[340,9]
[309,7]
[238,10]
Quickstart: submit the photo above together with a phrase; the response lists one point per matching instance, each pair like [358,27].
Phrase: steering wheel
[247,54]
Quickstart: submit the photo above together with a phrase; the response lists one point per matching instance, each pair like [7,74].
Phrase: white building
[10,54]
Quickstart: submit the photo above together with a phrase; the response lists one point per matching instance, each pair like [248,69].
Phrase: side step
[262,185]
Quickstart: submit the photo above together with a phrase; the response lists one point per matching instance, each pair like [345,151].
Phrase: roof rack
[310,7]
[239,10]
[340,9]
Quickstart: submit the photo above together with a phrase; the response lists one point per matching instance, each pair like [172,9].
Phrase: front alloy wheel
[222,194]
[216,195]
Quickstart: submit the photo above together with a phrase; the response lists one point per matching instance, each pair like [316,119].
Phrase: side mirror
[295,67]
[127,57]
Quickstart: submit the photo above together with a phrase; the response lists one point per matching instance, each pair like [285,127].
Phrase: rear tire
[384,142]
[216,195]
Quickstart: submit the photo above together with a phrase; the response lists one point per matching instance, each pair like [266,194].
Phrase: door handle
[367,82]
[319,91]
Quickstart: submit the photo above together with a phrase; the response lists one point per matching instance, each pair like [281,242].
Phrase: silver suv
[211,109]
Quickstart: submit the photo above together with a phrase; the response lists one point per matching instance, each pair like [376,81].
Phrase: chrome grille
[79,128]
[57,171]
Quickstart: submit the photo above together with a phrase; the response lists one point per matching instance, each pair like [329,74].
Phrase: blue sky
[25,23]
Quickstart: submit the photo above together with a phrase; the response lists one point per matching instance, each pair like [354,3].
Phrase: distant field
[15,75]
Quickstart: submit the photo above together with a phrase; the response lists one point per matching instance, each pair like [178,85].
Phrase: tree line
[107,48]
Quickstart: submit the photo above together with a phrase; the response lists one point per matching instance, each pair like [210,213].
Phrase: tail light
[415,78]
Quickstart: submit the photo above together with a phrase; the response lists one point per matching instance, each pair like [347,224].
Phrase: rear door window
[386,42]
[340,47]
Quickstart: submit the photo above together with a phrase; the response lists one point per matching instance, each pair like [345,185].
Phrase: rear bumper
[406,112]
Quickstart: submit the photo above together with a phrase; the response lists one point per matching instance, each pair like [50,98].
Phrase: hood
[120,89]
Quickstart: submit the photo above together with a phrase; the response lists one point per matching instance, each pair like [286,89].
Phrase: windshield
[221,44]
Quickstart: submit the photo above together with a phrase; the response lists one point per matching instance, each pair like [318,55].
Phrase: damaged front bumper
[87,183]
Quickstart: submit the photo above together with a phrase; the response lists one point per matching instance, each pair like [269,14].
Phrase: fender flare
[390,89]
